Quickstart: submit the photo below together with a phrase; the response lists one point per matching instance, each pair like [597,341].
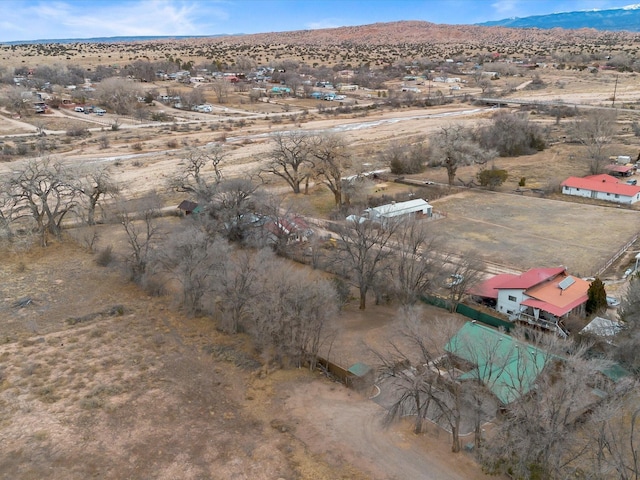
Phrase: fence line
[618,254]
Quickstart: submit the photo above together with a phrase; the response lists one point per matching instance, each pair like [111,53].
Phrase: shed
[620,170]
[602,327]
[361,376]
[187,207]
[417,207]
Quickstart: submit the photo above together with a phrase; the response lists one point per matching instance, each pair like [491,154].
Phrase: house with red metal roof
[541,296]
[602,187]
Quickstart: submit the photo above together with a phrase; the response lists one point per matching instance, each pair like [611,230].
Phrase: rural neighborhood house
[602,187]
[540,296]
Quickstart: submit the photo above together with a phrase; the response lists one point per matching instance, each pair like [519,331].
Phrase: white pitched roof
[401,208]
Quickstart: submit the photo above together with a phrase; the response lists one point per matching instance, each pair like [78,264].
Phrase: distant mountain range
[111,39]
[617,19]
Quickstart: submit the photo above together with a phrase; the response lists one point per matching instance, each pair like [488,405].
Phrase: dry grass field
[527,232]
[99,380]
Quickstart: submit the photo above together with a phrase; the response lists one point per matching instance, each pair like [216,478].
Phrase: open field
[99,380]
[526,232]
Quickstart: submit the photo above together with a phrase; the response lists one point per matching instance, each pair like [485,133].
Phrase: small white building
[417,208]
[603,327]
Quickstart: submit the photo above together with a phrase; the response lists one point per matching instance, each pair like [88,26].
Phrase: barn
[417,208]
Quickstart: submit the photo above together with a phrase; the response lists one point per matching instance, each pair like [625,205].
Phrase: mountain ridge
[625,18]
[397,33]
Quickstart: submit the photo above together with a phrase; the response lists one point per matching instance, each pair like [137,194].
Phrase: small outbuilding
[360,376]
[620,170]
[187,207]
[417,208]
[603,328]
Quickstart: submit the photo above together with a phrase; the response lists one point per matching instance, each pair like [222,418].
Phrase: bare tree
[42,192]
[613,435]
[484,83]
[452,147]
[193,97]
[422,378]
[94,183]
[139,220]
[237,285]
[6,203]
[405,159]
[221,88]
[118,94]
[142,70]
[293,81]
[290,159]
[416,263]
[291,313]
[331,159]
[244,63]
[235,208]
[595,132]
[193,179]
[628,340]
[191,256]
[492,357]
[364,249]
[511,134]
[539,436]
[17,100]
[465,272]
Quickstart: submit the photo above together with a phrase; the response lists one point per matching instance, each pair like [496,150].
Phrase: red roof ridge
[531,278]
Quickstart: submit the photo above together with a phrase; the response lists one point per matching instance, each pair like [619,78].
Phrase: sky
[59,19]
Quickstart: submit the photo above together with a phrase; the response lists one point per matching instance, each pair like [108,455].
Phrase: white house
[540,296]
[601,187]
[417,207]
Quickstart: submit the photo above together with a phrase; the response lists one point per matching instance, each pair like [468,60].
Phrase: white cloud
[505,7]
[84,19]
[324,23]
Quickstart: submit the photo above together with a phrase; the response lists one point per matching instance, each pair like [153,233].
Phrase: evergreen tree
[597,297]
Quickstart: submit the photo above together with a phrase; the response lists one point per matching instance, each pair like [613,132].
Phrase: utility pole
[615,89]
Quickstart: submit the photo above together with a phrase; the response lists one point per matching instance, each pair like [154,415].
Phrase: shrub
[492,178]
[105,257]
[77,132]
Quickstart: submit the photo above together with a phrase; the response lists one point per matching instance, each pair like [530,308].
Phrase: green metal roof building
[507,367]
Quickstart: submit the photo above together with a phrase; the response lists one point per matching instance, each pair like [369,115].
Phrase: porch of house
[543,320]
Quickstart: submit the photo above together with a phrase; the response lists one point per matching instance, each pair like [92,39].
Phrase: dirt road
[345,427]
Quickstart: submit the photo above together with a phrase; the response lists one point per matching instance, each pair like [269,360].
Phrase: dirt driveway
[343,426]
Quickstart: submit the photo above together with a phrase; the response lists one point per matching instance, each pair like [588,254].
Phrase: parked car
[453,280]
[633,181]
[612,301]
[79,109]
